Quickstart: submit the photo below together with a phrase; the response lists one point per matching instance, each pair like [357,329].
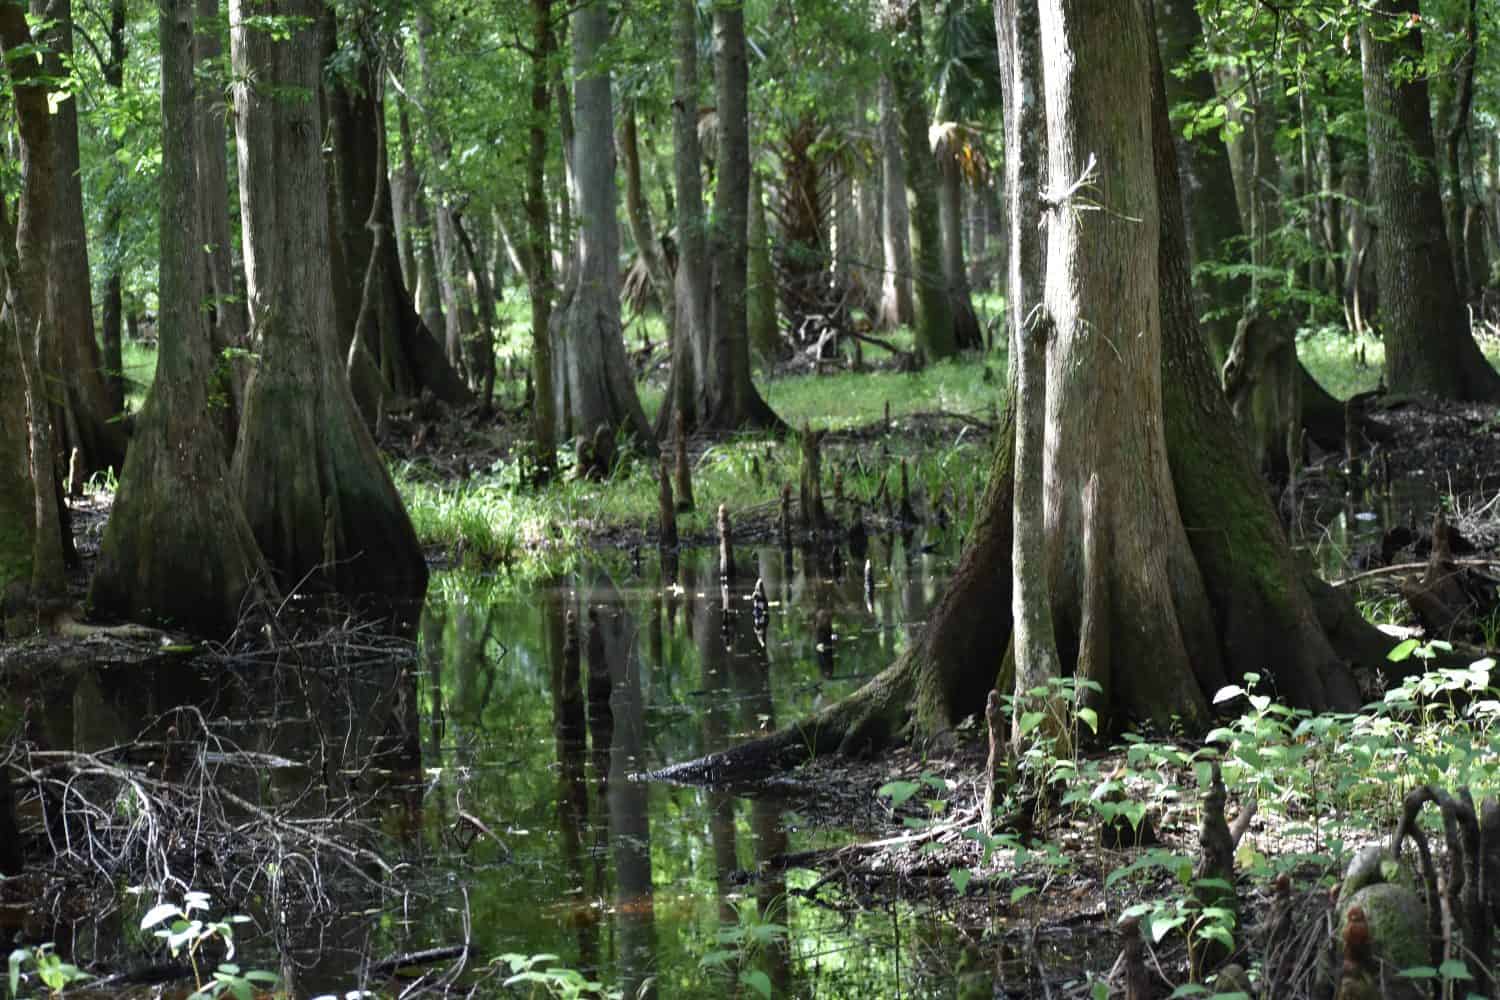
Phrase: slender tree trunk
[760,307]
[1018,30]
[70,358]
[638,211]
[601,390]
[896,306]
[315,490]
[17,511]
[933,319]
[539,274]
[112,309]
[1428,345]
[951,231]
[689,344]
[27,257]
[229,320]
[733,400]
[429,302]
[177,547]
[1453,204]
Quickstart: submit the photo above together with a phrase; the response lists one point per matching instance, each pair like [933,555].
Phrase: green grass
[138,362]
[1345,364]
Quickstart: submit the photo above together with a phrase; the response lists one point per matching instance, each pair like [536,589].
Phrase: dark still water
[371,804]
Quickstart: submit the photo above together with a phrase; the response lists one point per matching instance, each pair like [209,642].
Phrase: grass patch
[1346,363]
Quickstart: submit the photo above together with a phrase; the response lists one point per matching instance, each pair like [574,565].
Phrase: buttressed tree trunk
[1213,221]
[600,389]
[1225,593]
[733,400]
[315,490]
[70,358]
[1428,345]
[24,254]
[408,356]
[177,548]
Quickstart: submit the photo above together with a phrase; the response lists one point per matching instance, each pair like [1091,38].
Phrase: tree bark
[408,357]
[177,549]
[933,319]
[112,309]
[315,489]
[70,358]
[1429,348]
[896,306]
[733,402]
[540,281]
[760,307]
[1018,30]
[600,389]
[26,258]
[690,331]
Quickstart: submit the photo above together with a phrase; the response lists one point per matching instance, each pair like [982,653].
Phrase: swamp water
[497,778]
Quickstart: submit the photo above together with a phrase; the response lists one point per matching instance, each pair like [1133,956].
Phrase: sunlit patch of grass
[1345,364]
[138,362]
[492,521]
[844,400]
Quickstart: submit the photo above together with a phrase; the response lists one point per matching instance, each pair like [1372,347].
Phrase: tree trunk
[933,319]
[638,211]
[760,307]
[316,491]
[1228,596]
[228,318]
[408,357]
[1453,203]
[26,257]
[17,513]
[1018,32]
[896,306]
[1208,189]
[1428,345]
[70,358]
[733,402]
[112,309]
[177,548]
[690,331]
[428,301]
[539,273]
[1271,403]
[955,271]
[601,390]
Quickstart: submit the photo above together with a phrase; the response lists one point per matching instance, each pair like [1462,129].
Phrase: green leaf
[1454,968]
[960,878]
[1403,650]
[1020,892]
[1089,718]
[1226,693]
[1030,721]
[16,958]
[898,791]
[757,981]
[1420,972]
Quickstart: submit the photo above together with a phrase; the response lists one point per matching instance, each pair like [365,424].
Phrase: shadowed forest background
[761,497]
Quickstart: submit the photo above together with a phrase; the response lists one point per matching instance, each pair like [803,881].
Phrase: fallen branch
[1413,567]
